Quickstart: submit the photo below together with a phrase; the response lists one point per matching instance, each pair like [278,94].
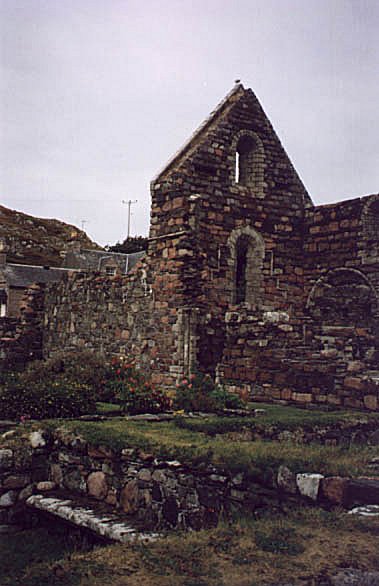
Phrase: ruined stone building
[244,278]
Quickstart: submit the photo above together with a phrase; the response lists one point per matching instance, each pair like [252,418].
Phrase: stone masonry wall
[157,492]
[21,338]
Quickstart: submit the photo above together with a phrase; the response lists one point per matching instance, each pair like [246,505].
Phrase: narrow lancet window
[241,269]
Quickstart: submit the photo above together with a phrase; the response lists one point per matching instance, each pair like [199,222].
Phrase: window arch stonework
[246,247]
[248,162]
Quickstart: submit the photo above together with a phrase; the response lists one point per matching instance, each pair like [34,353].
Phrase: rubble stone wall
[21,337]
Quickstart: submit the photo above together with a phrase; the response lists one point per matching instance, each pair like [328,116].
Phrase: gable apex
[226,103]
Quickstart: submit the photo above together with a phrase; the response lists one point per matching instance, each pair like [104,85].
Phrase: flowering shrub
[46,398]
[126,385]
[199,393]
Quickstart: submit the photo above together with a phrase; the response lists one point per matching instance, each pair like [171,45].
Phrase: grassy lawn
[278,417]
[167,440]
[305,544]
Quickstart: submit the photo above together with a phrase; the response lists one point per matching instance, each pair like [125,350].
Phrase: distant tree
[131,244]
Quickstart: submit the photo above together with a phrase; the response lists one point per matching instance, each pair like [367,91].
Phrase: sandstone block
[333,489]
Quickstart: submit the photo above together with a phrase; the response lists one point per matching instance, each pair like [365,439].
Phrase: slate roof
[96,260]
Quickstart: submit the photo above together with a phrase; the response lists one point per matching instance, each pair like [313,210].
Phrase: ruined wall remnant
[244,278]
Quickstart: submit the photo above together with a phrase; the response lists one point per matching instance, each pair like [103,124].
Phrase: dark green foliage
[83,366]
[199,393]
[131,244]
[45,398]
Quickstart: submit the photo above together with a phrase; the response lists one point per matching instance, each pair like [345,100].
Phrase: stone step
[109,526]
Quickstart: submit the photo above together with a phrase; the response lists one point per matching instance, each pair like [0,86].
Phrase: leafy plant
[83,366]
[127,386]
[199,393]
[45,398]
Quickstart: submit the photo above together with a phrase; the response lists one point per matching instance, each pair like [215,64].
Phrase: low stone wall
[156,492]
[274,358]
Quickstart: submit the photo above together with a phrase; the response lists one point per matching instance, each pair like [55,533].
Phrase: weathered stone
[45,486]
[16,481]
[308,484]
[129,497]
[73,480]
[97,485]
[333,489]
[370,402]
[362,491]
[26,492]
[6,459]
[100,452]
[36,439]
[286,480]
[56,473]
[8,499]
[144,475]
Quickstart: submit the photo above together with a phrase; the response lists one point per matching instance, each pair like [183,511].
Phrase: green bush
[199,393]
[45,398]
[126,386]
[83,366]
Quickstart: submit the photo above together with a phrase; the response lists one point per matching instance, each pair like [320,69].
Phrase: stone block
[308,484]
[8,499]
[6,459]
[333,489]
[97,485]
[129,497]
[362,491]
[16,481]
[286,480]
[371,402]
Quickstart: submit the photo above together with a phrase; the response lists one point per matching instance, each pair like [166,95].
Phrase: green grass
[275,548]
[107,408]
[278,416]
[166,440]
[32,547]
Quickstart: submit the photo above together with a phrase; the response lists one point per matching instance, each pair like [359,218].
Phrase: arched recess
[343,297]
[370,230]
[247,250]
[249,162]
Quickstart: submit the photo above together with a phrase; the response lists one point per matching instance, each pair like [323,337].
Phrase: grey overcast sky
[96,95]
